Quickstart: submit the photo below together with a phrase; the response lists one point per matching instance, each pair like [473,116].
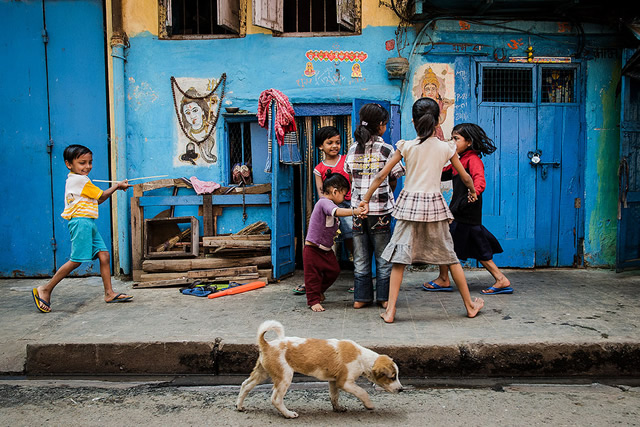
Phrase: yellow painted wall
[142,15]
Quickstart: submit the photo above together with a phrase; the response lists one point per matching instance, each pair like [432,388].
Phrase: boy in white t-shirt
[81,200]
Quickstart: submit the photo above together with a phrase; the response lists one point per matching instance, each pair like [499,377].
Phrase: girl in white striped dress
[421,234]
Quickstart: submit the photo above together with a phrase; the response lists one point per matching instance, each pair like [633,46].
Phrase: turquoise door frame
[283,256]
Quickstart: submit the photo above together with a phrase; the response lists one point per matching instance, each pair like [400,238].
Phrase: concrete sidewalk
[557,323]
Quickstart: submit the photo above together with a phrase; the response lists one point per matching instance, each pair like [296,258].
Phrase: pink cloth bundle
[203,187]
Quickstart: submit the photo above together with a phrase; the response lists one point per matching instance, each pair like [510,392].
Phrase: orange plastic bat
[238,289]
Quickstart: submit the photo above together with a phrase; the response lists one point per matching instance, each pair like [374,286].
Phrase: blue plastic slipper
[436,288]
[496,291]
[198,291]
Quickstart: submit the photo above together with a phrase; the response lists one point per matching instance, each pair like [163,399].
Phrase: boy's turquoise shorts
[86,241]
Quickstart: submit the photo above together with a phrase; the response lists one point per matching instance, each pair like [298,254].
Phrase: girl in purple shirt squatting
[321,267]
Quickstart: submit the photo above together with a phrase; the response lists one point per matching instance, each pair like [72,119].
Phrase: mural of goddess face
[195,114]
[429,85]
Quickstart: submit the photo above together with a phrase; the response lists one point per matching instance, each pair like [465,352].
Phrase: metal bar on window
[324,8]
[197,16]
[184,16]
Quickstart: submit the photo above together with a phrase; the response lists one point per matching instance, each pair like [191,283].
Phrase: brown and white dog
[340,362]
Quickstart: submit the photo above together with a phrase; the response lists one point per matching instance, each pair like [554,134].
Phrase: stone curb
[218,358]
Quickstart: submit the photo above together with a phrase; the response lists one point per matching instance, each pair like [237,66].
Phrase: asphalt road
[99,403]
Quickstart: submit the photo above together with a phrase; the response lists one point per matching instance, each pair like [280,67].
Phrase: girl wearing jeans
[371,234]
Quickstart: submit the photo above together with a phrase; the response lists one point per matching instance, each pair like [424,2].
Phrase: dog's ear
[384,367]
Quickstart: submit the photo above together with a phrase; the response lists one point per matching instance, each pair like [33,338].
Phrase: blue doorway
[54,94]
[533,200]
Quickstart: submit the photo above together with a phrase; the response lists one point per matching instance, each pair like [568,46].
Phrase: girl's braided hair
[480,142]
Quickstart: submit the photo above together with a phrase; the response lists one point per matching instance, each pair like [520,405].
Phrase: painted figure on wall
[436,81]
[197,111]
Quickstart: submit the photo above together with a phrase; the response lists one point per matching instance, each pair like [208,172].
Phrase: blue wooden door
[628,244]
[534,180]
[283,255]
[559,186]
[509,199]
[26,223]
[57,96]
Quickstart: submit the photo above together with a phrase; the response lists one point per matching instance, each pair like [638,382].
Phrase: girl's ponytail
[426,114]
[372,116]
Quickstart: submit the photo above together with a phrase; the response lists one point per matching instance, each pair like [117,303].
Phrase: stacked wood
[176,265]
[259,227]
[173,241]
[254,242]
[163,260]
[216,275]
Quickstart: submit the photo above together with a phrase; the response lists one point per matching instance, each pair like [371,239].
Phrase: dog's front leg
[358,392]
[334,393]
[258,375]
[279,390]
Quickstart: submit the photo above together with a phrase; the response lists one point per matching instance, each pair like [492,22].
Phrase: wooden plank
[221,272]
[238,237]
[194,200]
[153,277]
[176,265]
[137,215]
[237,244]
[207,216]
[164,283]
[161,183]
[264,272]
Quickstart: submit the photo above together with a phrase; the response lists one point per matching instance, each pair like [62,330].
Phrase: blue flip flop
[496,291]
[436,288]
[120,298]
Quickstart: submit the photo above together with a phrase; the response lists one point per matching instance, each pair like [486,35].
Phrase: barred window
[507,84]
[185,19]
[302,17]
[239,135]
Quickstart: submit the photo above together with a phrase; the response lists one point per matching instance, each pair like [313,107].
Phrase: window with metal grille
[507,84]
[558,85]
[200,18]
[239,137]
[317,16]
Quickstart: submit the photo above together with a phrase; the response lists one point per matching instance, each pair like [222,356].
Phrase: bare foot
[322,297]
[360,304]
[476,306]
[387,317]
[317,307]
[382,304]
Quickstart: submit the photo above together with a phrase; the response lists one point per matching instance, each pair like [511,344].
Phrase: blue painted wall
[260,61]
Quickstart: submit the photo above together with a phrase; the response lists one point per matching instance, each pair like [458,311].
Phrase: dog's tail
[269,325]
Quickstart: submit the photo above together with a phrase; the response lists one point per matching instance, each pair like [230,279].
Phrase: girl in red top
[470,238]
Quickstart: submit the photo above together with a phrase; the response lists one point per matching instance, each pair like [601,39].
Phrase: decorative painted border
[337,55]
